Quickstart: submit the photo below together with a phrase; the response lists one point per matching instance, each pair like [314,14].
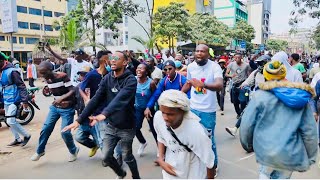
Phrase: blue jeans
[55,113]
[15,127]
[208,120]
[83,135]
[111,137]
[266,172]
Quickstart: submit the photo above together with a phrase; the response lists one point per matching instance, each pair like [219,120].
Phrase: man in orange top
[31,73]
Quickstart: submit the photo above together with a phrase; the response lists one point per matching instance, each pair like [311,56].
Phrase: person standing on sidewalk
[14,92]
[221,94]
[204,79]
[278,125]
[184,147]
[62,106]
[117,90]
[31,73]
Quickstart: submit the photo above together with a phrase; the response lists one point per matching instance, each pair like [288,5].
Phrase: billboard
[9,17]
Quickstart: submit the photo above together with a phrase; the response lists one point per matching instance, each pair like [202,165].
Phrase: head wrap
[274,71]
[174,99]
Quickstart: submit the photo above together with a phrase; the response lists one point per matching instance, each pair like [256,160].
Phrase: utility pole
[11,45]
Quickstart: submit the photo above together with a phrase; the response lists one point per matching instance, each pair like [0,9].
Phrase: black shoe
[123,175]
[25,141]
[119,160]
[14,143]
[104,164]
[238,116]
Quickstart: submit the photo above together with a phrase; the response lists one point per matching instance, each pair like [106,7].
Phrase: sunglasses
[168,69]
[116,58]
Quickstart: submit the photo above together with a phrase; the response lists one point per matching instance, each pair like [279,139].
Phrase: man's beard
[202,62]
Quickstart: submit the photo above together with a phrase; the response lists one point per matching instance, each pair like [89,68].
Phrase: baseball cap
[170,63]
[3,56]
[84,70]
[79,52]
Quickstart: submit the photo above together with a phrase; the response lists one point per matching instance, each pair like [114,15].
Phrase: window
[47,13]
[21,41]
[58,14]
[22,9]
[126,21]
[23,25]
[126,38]
[31,40]
[35,11]
[48,28]
[2,38]
[57,28]
[14,39]
[35,26]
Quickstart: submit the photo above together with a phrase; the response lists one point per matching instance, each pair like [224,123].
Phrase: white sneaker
[36,156]
[222,113]
[74,156]
[141,148]
[232,131]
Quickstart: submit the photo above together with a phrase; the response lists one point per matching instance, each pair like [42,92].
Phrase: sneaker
[232,131]
[15,143]
[104,164]
[124,174]
[25,141]
[141,149]
[238,116]
[216,172]
[74,156]
[93,151]
[222,113]
[37,156]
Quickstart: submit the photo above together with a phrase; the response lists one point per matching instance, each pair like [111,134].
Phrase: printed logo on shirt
[199,90]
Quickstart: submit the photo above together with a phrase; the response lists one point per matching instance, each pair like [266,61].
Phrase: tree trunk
[91,11]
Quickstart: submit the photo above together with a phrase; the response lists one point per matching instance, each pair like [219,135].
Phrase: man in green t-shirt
[294,61]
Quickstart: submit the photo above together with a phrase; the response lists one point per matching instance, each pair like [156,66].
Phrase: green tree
[310,7]
[316,37]
[277,45]
[170,23]
[208,29]
[148,44]
[243,31]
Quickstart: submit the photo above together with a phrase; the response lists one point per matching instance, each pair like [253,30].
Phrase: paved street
[234,162]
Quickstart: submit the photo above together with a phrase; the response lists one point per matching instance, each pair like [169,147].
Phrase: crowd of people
[179,97]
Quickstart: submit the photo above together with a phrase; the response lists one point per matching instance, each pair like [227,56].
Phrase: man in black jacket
[118,90]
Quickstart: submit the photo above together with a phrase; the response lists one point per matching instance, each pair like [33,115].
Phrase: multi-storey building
[259,17]
[35,19]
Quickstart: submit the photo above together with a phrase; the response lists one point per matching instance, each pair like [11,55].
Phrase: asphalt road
[15,162]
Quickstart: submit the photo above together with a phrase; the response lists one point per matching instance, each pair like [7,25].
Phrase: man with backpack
[173,80]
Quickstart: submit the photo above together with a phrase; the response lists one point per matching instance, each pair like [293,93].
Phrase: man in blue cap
[31,72]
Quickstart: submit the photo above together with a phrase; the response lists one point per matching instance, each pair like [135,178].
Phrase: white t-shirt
[187,165]
[204,100]
[75,67]
[165,58]
[157,73]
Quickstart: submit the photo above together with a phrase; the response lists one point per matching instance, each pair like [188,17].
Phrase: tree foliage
[303,7]
[208,29]
[243,31]
[170,22]
[277,45]
[316,37]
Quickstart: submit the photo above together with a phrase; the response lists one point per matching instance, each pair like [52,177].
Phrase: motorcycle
[46,91]
[23,116]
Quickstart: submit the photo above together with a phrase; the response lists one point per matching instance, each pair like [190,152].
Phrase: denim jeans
[83,135]
[238,105]
[15,127]
[111,137]
[55,113]
[266,172]
[208,120]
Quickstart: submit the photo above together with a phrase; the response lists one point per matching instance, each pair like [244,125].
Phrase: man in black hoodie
[118,90]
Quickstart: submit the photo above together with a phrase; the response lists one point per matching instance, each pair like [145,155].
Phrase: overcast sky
[280,15]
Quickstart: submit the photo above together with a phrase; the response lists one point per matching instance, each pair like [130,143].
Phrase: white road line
[247,157]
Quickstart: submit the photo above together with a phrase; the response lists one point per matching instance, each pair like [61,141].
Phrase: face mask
[202,62]
[17,65]
[108,68]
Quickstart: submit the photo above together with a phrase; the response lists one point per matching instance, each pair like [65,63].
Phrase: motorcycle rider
[14,92]
[254,79]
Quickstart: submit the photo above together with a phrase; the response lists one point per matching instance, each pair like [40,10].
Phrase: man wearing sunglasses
[117,89]
[173,80]
[204,79]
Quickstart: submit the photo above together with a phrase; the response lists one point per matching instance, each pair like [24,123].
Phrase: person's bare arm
[228,73]
[186,87]
[56,55]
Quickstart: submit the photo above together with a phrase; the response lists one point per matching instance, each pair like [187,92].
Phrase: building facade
[259,17]
[35,19]
[230,11]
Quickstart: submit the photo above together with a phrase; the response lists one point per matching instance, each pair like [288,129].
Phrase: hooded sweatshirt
[293,75]
[117,96]
[279,126]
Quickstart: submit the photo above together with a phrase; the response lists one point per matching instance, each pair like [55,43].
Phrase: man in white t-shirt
[77,63]
[167,56]
[156,73]
[184,147]
[204,79]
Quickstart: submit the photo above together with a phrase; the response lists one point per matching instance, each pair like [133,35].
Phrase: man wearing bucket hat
[280,109]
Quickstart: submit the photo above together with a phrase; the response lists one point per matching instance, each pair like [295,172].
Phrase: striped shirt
[59,85]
